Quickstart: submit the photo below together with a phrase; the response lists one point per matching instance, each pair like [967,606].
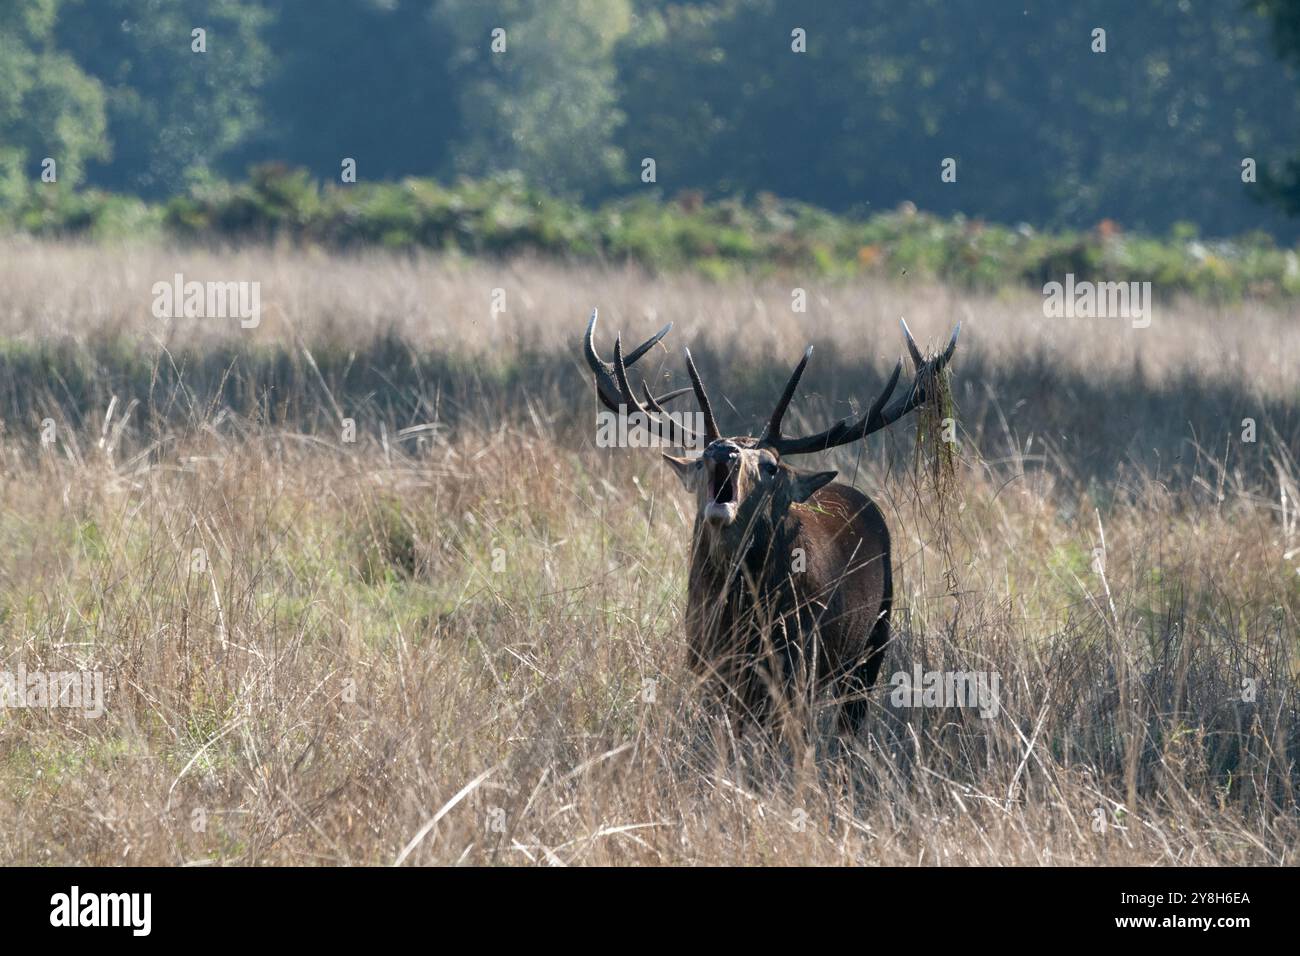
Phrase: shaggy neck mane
[723,557]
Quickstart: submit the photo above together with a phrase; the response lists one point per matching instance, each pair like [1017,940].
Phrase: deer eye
[767,468]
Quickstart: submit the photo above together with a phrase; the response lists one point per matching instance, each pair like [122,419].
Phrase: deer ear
[685,468]
[804,484]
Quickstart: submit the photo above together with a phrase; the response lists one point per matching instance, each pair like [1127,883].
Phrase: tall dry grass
[463,643]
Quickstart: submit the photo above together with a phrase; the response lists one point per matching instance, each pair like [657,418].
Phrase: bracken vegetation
[503,217]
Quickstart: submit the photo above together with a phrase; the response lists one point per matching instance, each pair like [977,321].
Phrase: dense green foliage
[171,112]
[1042,128]
[854,114]
[49,107]
[503,216]
[1282,182]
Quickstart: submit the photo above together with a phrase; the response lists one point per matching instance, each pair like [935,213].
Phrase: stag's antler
[876,418]
[606,383]
[616,394]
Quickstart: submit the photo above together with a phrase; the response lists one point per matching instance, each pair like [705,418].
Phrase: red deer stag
[790,583]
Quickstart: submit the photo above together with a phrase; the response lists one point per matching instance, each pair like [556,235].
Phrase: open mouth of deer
[721,505]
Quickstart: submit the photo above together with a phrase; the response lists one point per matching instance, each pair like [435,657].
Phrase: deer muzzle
[722,503]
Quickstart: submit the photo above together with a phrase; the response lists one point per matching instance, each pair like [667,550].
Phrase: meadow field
[362,589]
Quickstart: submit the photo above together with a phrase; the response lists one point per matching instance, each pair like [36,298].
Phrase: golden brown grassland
[462,642]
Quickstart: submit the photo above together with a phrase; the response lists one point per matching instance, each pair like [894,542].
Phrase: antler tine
[879,403]
[620,375]
[877,416]
[648,344]
[925,371]
[606,388]
[629,397]
[772,429]
[952,346]
[692,437]
[942,359]
[711,432]
[841,433]
[656,404]
[606,385]
[917,358]
[615,392]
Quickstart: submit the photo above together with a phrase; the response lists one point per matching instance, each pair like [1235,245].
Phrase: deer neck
[732,561]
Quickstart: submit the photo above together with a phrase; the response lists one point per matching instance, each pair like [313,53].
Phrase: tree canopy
[1054,114]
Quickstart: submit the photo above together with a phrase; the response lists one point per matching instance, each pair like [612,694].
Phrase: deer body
[797,601]
[790,582]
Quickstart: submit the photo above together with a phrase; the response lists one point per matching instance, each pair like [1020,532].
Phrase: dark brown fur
[790,587]
[767,634]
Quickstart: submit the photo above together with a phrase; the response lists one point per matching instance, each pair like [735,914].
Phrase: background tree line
[1044,130]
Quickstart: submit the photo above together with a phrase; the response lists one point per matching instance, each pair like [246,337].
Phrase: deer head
[736,478]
